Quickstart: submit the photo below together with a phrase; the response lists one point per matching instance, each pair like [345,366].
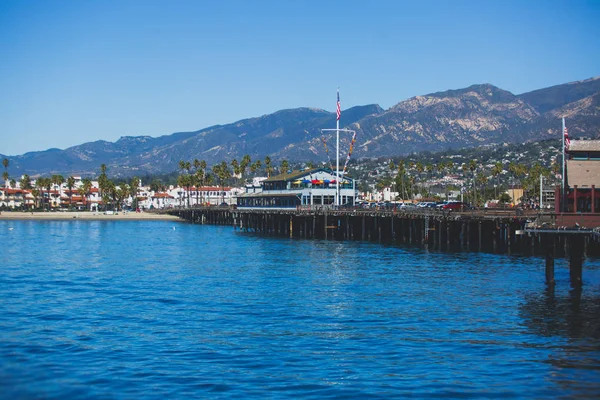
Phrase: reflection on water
[571,322]
[139,309]
[573,316]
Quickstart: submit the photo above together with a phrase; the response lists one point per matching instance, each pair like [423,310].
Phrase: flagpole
[337,151]
[563,205]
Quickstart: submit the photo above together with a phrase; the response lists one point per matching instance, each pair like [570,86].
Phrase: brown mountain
[479,114]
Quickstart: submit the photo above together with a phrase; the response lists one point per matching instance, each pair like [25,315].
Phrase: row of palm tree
[196,174]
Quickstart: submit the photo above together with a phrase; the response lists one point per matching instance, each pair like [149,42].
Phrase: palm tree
[199,178]
[222,173]
[244,164]
[401,179]
[85,189]
[183,181]
[121,193]
[234,164]
[472,168]
[36,194]
[268,167]
[496,171]
[70,185]
[134,188]
[5,162]
[40,185]
[48,186]
[58,180]
[103,183]
[109,194]
[25,183]
[208,181]
[441,168]
[5,178]
[255,166]
[285,165]
[419,167]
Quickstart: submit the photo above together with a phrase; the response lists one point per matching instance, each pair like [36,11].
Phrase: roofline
[296,174]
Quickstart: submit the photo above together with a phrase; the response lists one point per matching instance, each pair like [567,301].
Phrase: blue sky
[79,71]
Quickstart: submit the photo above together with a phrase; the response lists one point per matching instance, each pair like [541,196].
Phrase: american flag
[567,140]
[339,109]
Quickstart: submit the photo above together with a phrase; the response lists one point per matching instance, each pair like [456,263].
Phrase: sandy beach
[86,215]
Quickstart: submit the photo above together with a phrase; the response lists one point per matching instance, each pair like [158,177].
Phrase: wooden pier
[494,231]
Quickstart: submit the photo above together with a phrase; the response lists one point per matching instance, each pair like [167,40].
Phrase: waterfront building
[307,188]
[582,178]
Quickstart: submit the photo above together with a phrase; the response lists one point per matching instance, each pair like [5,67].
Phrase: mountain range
[473,116]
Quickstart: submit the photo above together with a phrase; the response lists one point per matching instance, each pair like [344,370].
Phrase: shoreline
[85,215]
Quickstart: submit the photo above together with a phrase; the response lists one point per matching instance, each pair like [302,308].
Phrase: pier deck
[513,231]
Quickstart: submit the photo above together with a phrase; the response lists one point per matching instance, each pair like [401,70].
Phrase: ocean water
[95,309]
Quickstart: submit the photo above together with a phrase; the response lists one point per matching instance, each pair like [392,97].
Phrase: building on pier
[582,193]
[311,187]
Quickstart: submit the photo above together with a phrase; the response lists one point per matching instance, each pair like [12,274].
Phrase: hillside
[454,119]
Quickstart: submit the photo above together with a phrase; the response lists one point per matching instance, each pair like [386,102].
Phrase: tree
[472,168]
[85,189]
[58,180]
[5,175]
[36,194]
[25,183]
[70,185]
[198,178]
[103,183]
[156,185]
[109,194]
[222,173]
[504,198]
[40,184]
[255,166]
[268,166]
[184,181]
[121,193]
[134,188]
[244,164]
[401,180]
[496,171]
[285,166]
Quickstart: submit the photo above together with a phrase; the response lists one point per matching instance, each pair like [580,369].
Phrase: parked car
[453,205]
[407,205]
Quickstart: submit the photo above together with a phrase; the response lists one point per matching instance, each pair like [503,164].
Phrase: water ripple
[137,309]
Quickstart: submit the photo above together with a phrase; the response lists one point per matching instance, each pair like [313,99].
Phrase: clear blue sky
[79,71]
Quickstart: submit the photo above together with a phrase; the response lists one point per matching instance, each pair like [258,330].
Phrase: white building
[311,187]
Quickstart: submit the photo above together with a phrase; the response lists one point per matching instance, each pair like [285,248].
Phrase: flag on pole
[339,109]
[567,140]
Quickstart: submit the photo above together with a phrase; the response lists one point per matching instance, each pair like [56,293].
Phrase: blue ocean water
[95,309]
